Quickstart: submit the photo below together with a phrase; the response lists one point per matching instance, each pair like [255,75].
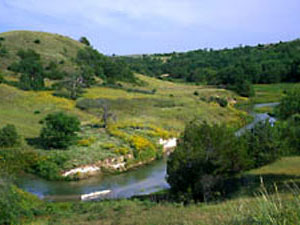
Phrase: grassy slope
[20,108]
[272,92]
[52,47]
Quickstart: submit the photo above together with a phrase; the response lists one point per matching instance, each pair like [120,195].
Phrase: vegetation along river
[140,181]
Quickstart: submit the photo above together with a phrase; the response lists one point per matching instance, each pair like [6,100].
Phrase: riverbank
[237,210]
[117,164]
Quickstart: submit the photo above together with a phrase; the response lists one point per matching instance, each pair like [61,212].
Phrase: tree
[1,78]
[263,144]
[73,85]
[290,133]
[9,136]
[59,130]
[289,104]
[106,112]
[85,41]
[244,88]
[205,158]
[31,69]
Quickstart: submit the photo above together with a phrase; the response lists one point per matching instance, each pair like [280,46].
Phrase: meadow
[144,113]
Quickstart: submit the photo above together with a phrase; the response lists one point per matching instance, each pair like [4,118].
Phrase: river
[140,181]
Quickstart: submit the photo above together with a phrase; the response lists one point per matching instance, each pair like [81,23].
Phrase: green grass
[285,166]
[266,109]
[170,108]
[52,47]
[266,93]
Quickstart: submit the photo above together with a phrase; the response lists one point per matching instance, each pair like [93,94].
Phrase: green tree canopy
[205,157]
[59,130]
[289,104]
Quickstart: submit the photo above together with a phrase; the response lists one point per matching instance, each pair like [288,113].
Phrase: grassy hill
[51,47]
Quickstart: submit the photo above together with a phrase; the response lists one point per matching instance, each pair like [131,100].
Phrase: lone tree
[102,105]
[59,130]
[74,86]
[85,41]
[9,136]
[207,156]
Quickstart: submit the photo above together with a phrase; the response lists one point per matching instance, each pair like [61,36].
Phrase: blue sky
[149,26]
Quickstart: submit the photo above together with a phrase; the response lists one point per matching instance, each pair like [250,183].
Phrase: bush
[59,130]
[244,89]
[37,41]
[206,157]
[9,136]
[17,206]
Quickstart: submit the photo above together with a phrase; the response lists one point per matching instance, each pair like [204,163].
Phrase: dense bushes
[9,136]
[59,130]
[31,69]
[289,104]
[104,67]
[17,206]
[206,156]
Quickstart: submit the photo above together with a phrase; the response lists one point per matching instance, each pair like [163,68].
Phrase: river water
[140,181]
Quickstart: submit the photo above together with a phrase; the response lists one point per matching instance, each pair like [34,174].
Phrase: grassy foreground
[264,207]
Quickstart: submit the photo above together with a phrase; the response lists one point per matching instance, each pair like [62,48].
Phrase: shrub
[206,157]
[122,151]
[9,136]
[37,41]
[86,142]
[196,93]
[59,130]
[49,167]
[17,206]
[143,148]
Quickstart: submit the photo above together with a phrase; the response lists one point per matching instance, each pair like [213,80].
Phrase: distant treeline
[262,64]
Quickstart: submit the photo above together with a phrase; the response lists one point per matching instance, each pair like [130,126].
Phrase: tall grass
[270,208]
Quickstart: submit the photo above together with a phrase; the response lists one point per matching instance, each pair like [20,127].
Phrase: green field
[271,92]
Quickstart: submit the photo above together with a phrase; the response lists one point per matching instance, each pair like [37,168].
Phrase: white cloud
[101,11]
